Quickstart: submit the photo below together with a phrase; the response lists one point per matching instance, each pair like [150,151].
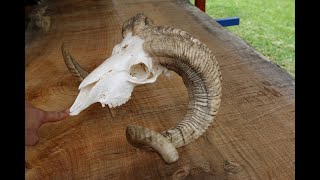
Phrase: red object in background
[201,4]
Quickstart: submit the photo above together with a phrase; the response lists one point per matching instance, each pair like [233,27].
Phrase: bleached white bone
[113,81]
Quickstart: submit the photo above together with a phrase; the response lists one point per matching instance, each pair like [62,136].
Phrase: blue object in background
[230,21]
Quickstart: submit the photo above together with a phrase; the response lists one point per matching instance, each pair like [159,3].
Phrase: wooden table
[252,137]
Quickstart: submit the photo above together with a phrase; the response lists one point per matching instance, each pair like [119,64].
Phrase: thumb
[55,116]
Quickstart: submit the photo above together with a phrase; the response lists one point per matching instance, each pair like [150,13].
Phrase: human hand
[35,117]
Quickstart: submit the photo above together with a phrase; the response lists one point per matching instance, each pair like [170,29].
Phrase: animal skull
[131,64]
[113,81]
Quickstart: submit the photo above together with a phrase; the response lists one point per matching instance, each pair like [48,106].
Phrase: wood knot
[183,172]
[232,167]
[267,83]
[27,165]
[206,167]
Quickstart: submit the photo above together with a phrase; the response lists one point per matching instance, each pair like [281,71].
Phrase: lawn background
[267,25]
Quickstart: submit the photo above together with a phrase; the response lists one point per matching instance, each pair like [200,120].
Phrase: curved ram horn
[194,62]
[75,69]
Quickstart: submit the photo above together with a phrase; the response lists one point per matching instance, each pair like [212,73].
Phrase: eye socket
[140,71]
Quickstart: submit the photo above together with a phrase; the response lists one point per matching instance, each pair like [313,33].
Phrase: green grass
[267,25]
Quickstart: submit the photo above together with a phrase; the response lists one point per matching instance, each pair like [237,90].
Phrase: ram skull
[145,52]
[113,81]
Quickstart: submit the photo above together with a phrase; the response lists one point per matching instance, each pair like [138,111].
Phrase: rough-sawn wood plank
[251,138]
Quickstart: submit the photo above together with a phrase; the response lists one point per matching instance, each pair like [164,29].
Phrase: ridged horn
[195,63]
[75,69]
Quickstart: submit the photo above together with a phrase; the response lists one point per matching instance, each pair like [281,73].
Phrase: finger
[56,116]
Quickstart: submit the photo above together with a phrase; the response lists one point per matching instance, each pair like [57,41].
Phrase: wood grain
[251,138]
